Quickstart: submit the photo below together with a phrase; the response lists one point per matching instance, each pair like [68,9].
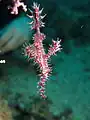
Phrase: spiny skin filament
[16,5]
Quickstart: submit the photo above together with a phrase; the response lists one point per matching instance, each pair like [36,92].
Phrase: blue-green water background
[69,84]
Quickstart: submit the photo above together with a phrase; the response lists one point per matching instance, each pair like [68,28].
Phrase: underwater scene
[44,60]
